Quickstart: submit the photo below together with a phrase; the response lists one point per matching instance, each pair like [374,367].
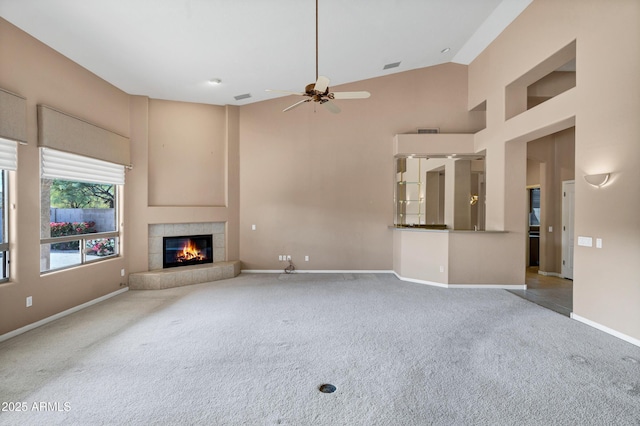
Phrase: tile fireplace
[158,233]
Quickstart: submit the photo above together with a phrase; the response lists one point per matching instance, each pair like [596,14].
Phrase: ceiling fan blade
[331,107]
[285,91]
[321,84]
[295,105]
[349,95]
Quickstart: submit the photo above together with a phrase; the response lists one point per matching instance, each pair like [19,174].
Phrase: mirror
[440,192]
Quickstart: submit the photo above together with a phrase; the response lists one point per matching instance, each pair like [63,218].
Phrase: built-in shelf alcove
[550,78]
[480,111]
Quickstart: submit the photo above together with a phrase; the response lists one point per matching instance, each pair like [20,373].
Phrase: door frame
[568,227]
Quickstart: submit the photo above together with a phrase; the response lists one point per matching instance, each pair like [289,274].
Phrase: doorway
[550,174]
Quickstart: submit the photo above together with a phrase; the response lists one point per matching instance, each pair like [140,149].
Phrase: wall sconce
[597,180]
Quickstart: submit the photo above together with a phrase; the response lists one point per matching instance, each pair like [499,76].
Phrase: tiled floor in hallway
[551,292]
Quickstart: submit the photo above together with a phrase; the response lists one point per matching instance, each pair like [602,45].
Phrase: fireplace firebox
[187,250]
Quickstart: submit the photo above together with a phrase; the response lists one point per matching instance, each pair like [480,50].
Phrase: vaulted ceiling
[171,49]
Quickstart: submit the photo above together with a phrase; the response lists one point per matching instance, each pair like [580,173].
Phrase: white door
[568,210]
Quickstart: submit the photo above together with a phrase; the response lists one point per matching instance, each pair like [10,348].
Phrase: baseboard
[550,274]
[468,286]
[606,329]
[59,315]
[317,271]
[491,286]
[413,280]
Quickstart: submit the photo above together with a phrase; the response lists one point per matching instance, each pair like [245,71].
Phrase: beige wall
[186,168]
[421,255]
[321,184]
[604,106]
[169,141]
[43,76]
[186,154]
[455,257]
[482,258]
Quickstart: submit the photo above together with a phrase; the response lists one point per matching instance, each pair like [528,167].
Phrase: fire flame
[189,252]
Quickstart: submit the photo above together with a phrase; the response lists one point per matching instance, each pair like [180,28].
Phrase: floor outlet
[29,301]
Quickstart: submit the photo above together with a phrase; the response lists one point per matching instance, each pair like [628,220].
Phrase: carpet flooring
[255,349]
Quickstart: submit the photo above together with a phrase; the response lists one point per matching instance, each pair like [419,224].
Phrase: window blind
[8,155]
[63,165]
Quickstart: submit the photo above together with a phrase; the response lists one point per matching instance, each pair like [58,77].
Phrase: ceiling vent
[241,97]
[393,65]
[429,130]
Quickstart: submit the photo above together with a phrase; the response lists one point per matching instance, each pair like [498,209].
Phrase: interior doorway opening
[549,274]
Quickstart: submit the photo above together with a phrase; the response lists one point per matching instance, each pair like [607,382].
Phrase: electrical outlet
[288,257]
[441,268]
[29,301]
[585,241]
[122,272]
[598,242]
[306,258]
[253,227]
[280,258]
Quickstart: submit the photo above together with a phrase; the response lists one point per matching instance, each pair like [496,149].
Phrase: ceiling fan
[319,91]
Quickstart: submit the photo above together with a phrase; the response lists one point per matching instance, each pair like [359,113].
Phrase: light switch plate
[598,242]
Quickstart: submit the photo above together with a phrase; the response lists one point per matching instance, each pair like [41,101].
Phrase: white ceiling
[170,49]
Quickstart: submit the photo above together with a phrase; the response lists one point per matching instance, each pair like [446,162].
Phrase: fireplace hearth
[187,250]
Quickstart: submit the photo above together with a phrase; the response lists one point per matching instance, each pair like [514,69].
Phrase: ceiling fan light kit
[319,91]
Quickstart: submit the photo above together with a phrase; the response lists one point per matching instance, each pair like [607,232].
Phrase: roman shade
[63,132]
[8,154]
[63,165]
[13,117]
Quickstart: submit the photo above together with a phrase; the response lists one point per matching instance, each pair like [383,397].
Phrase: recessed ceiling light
[215,81]
[445,50]
[392,65]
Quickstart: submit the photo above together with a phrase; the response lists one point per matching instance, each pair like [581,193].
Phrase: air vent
[393,65]
[428,130]
[241,97]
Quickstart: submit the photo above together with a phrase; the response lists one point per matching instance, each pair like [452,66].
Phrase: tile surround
[159,278]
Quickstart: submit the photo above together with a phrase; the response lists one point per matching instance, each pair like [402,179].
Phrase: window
[79,220]
[8,161]
[4,241]
[534,207]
